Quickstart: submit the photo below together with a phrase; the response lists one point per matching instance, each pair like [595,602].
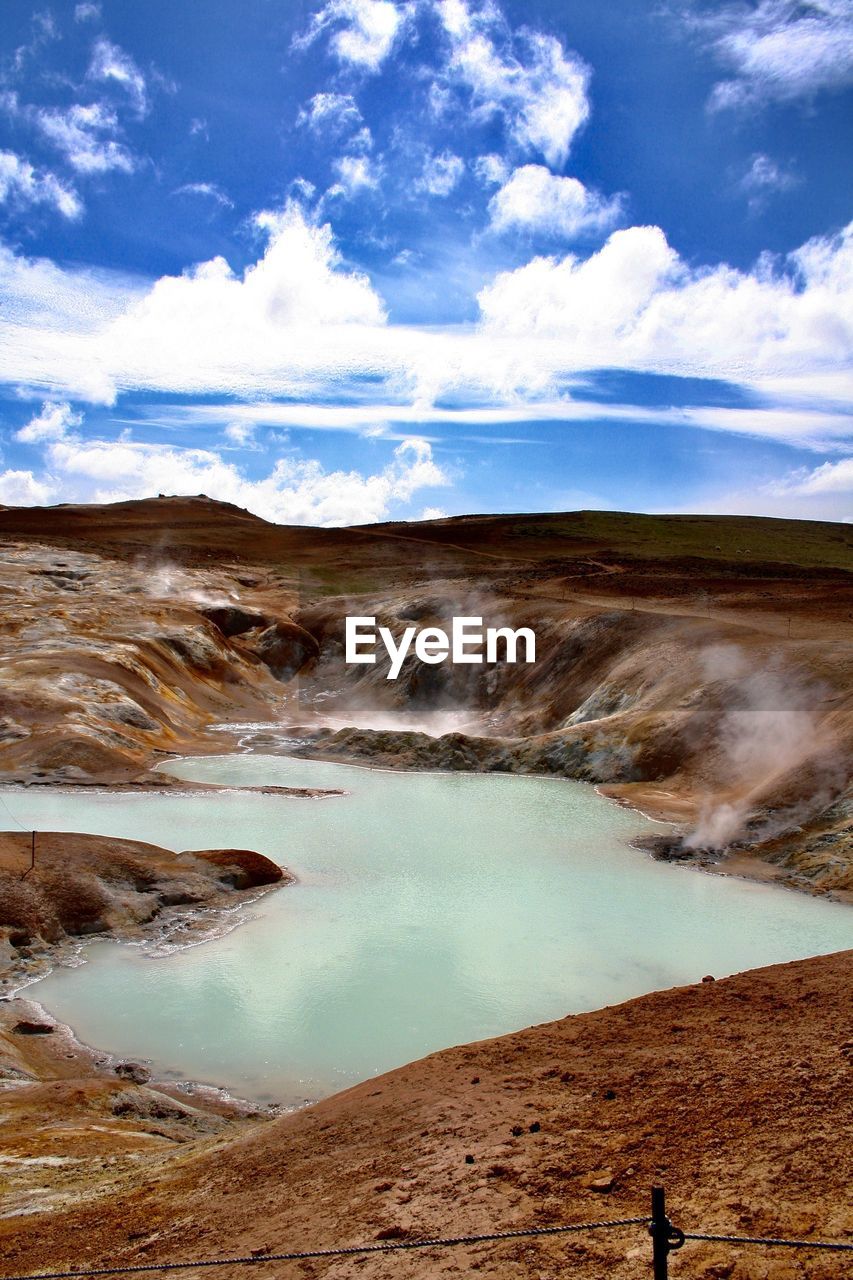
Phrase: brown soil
[730,1093]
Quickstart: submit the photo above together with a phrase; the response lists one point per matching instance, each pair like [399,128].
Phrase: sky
[343,261]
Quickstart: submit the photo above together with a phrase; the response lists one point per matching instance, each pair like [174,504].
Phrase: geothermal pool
[431,909]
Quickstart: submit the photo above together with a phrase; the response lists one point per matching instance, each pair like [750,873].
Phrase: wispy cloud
[778,49]
[24,185]
[111,64]
[440,174]
[528,79]
[331,113]
[209,190]
[87,136]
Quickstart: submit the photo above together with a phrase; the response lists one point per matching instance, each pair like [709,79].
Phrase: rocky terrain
[730,1093]
[697,667]
[79,885]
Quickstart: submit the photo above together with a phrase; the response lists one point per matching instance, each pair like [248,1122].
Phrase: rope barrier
[666,1239]
[769,1240]
[389,1247]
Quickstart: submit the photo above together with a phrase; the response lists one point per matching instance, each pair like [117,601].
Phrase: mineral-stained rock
[234,621]
[134,1071]
[27,1028]
[286,648]
[241,868]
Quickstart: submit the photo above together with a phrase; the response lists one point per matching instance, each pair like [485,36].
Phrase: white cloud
[26,186]
[821,493]
[87,12]
[534,199]
[110,63]
[294,492]
[240,433]
[208,189]
[355,173]
[299,325]
[54,422]
[831,477]
[87,137]
[635,304]
[441,173]
[779,49]
[21,489]
[491,169]
[765,175]
[810,428]
[364,30]
[330,113]
[529,79]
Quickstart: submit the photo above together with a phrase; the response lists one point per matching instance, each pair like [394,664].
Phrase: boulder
[134,1071]
[286,648]
[27,1028]
[240,868]
[231,620]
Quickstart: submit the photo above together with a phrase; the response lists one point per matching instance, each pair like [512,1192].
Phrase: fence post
[665,1237]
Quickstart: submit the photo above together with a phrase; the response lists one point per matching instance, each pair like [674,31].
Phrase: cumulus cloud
[87,136]
[635,304]
[534,199]
[299,324]
[779,49]
[23,185]
[21,489]
[527,78]
[87,12]
[441,173]
[110,64]
[54,422]
[365,31]
[296,491]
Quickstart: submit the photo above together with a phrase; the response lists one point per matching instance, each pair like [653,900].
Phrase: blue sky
[371,259]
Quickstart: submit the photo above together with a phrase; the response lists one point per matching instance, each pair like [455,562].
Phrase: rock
[234,621]
[27,1028]
[134,1071]
[709,977]
[286,647]
[240,868]
[601,1181]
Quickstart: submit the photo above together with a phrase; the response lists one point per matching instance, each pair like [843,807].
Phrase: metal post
[31,867]
[665,1237]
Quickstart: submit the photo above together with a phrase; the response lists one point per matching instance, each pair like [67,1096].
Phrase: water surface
[431,909]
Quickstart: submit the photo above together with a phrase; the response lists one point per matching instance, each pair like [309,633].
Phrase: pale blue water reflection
[431,909]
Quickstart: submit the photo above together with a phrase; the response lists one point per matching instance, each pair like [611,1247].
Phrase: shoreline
[160,938]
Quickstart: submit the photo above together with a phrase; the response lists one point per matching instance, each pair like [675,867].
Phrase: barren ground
[699,668]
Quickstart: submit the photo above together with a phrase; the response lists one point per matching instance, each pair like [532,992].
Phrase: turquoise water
[430,909]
